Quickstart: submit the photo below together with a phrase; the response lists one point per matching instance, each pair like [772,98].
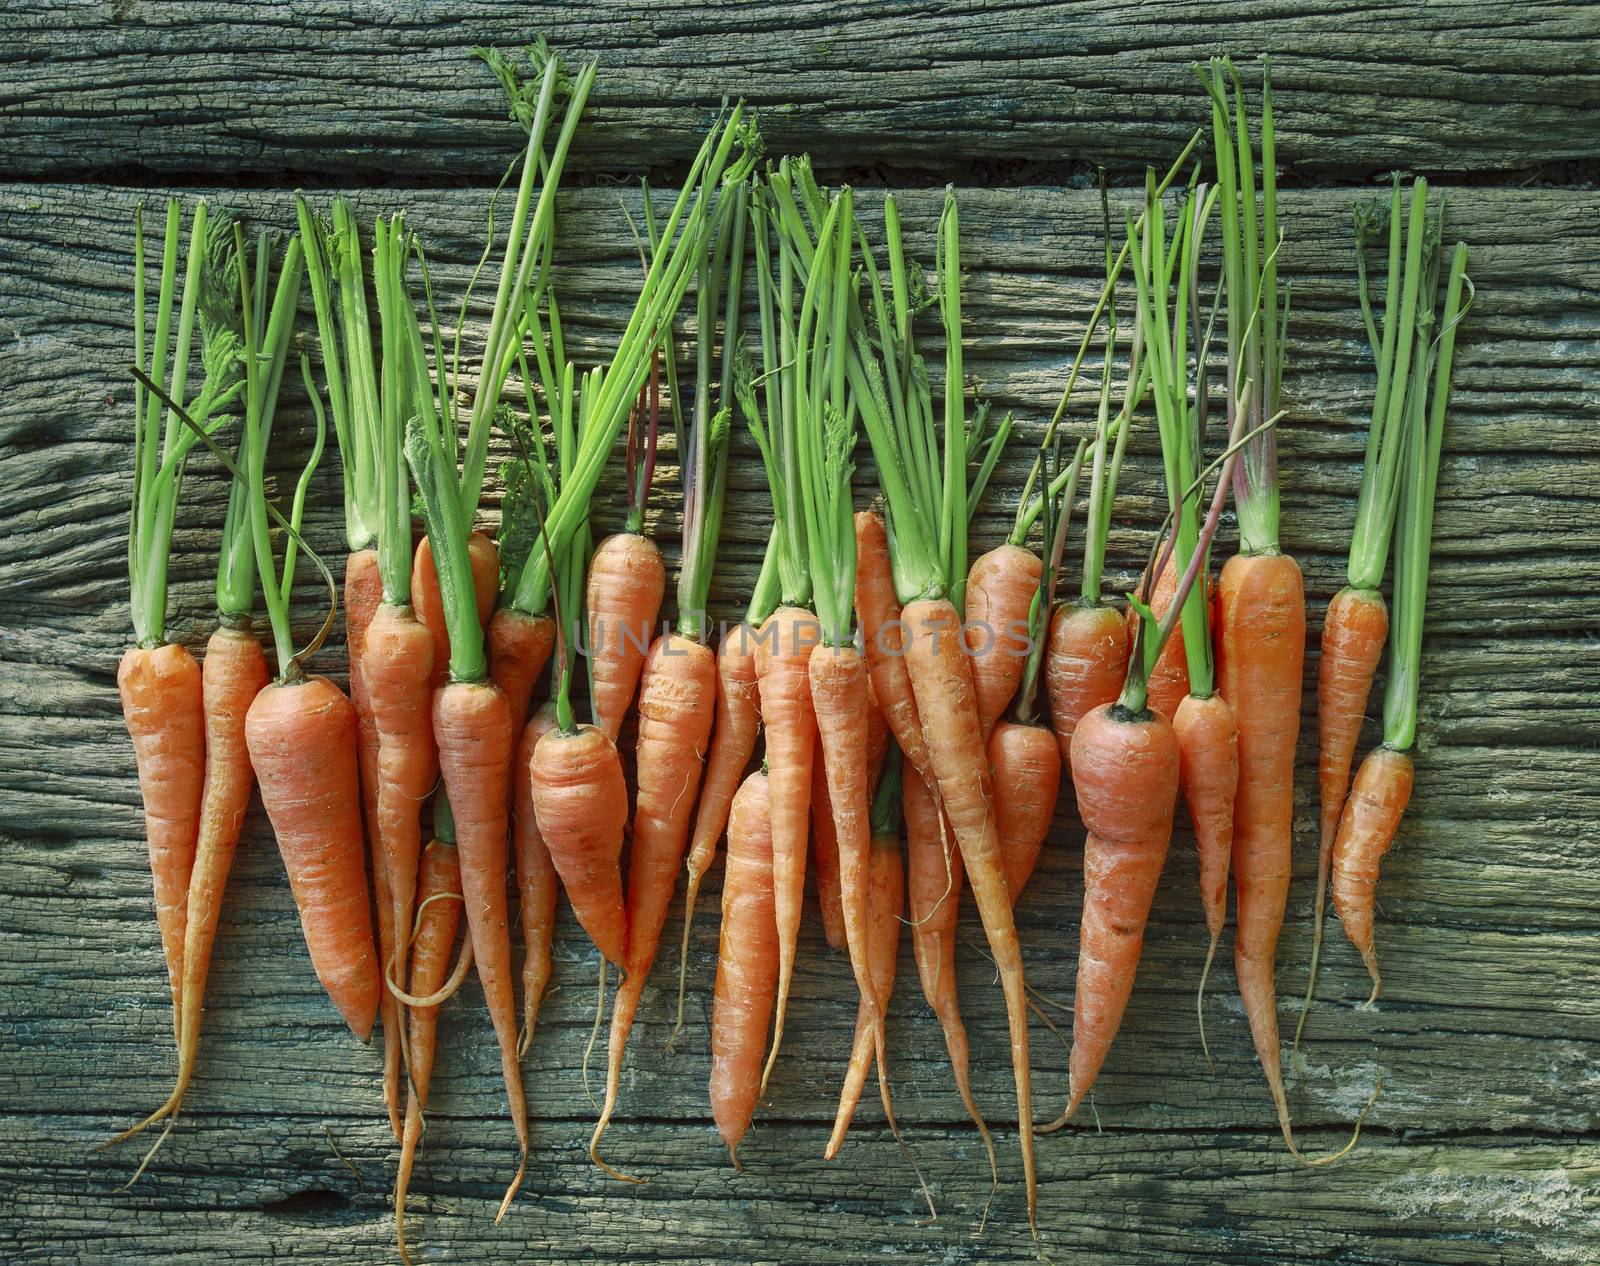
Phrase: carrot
[928,508]
[886,883]
[162,705]
[934,889]
[537,885]
[472,727]
[1357,620]
[336,271]
[1208,772]
[1125,771]
[675,710]
[439,902]
[1259,613]
[782,669]
[1125,756]
[1383,783]
[581,804]
[302,740]
[1000,586]
[159,682]
[747,965]
[733,741]
[235,673]
[363,592]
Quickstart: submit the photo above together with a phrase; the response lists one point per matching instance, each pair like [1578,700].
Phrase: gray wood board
[325,88]
[1481,1148]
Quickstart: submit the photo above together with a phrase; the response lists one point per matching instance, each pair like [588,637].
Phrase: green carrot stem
[664,287]
[1414,540]
[1386,442]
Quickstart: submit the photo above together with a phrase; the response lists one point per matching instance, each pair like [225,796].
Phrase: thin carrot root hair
[1200,1001]
[594,1034]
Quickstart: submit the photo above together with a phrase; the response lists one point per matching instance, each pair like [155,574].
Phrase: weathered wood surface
[1482,1149]
[331,87]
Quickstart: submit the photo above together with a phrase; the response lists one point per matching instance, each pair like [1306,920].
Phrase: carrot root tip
[1200,1004]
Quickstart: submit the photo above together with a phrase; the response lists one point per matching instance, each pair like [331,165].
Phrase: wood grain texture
[1482,1148]
[334,87]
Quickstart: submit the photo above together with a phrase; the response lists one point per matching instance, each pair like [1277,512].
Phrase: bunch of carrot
[897,684]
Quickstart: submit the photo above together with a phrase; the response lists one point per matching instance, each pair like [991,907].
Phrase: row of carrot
[887,677]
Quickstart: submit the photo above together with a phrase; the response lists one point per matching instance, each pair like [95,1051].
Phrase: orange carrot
[472,726]
[235,672]
[1000,587]
[397,667]
[363,591]
[733,741]
[426,600]
[1025,764]
[675,710]
[1371,817]
[942,682]
[1383,784]
[1261,623]
[162,703]
[625,587]
[839,695]
[787,640]
[439,902]
[581,804]
[747,965]
[537,884]
[1208,769]
[302,740]
[934,890]
[519,648]
[1084,665]
[1125,771]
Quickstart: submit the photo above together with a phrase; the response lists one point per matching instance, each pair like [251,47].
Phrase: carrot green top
[236,567]
[266,341]
[610,394]
[528,246]
[334,267]
[1414,536]
[923,467]
[1407,312]
[773,415]
[1250,283]
[704,451]
[159,453]
[1165,312]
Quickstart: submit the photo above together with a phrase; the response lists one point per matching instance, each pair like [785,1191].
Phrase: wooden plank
[1489,1022]
[330,88]
[268,1188]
